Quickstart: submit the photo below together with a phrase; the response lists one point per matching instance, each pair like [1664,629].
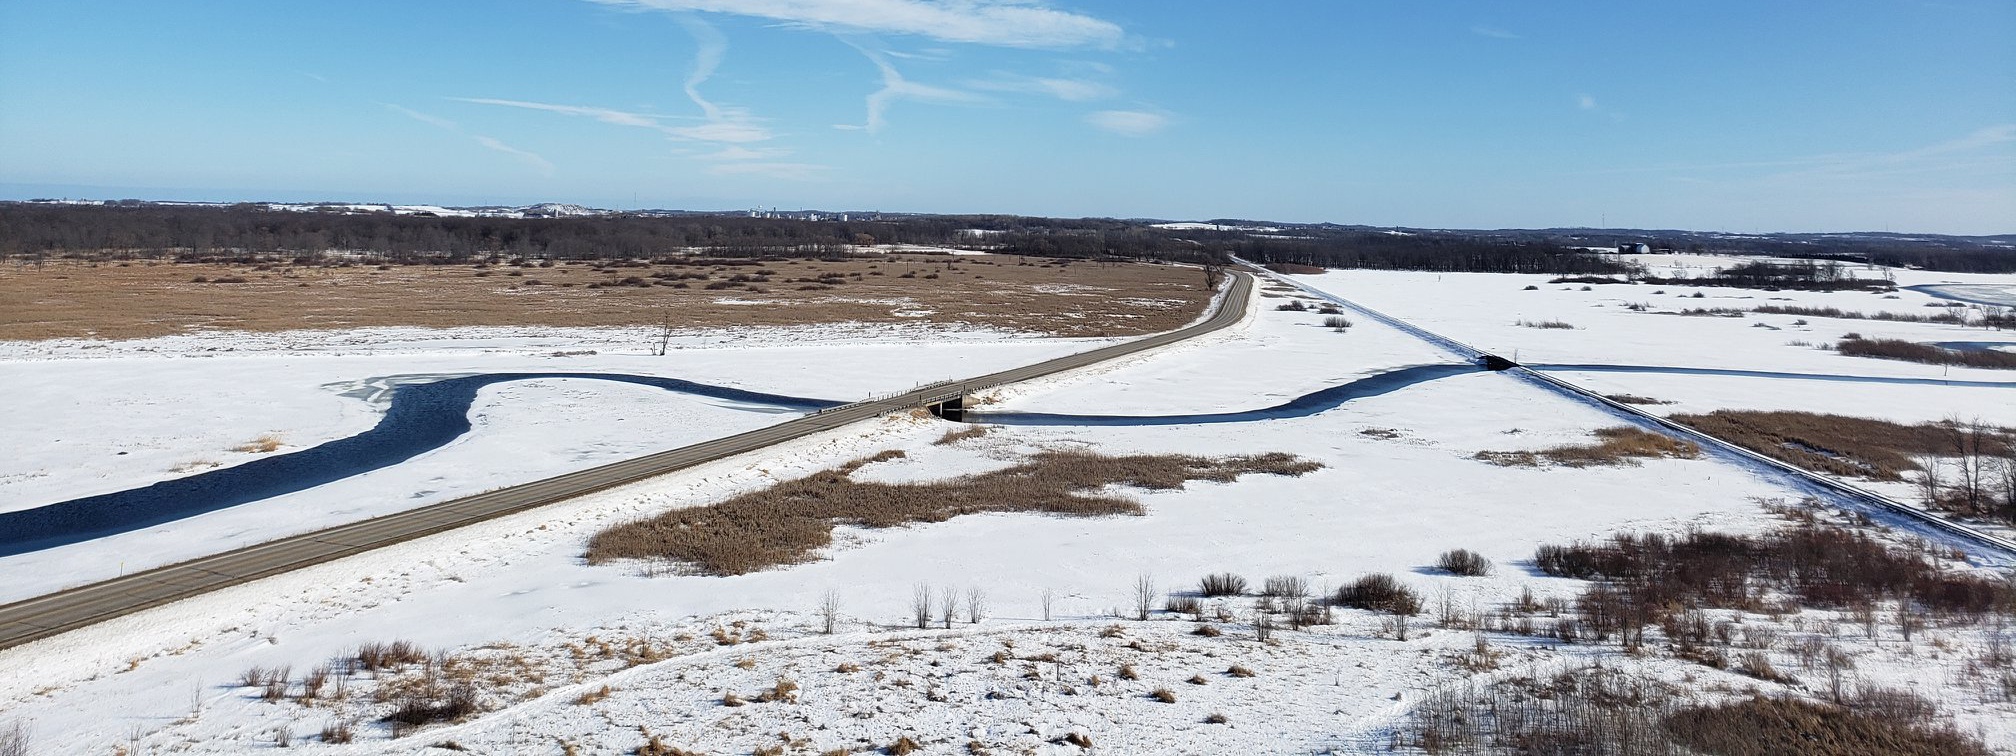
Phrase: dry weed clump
[961,434]
[1615,446]
[264,444]
[1464,562]
[786,523]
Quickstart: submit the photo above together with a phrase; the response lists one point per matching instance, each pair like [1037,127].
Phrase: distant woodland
[214,232]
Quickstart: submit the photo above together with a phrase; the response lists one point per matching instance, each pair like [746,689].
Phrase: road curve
[45,616]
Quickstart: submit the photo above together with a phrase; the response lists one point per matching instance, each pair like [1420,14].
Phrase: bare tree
[920,605]
[1971,468]
[664,336]
[1144,596]
[948,604]
[976,604]
[1049,596]
[1929,480]
[829,611]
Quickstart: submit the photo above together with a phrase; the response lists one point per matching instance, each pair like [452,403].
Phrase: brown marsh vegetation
[786,523]
[1621,445]
[1908,351]
[1838,444]
[146,298]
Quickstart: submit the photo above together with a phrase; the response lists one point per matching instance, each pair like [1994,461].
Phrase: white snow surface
[1386,501]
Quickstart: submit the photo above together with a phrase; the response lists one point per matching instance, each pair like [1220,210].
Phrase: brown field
[139,299]
[786,523]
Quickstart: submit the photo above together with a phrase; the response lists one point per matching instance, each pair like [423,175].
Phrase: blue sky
[1741,116]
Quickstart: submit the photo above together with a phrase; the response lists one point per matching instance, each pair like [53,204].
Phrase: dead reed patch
[1838,444]
[264,444]
[1770,726]
[1895,349]
[1621,445]
[786,523]
[960,434]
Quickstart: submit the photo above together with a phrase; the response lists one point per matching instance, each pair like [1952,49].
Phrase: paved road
[59,612]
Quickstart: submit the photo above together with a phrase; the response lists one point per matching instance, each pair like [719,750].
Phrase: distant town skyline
[1871,115]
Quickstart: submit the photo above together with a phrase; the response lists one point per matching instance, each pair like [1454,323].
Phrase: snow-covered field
[1399,486]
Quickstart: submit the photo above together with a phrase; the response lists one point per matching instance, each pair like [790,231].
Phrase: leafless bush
[1379,592]
[416,711]
[1285,586]
[1547,324]
[948,603]
[1464,562]
[789,522]
[1337,323]
[1144,596]
[1164,695]
[1183,605]
[976,604]
[829,612]
[1222,584]
[376,656]
[920,605]
[338,731]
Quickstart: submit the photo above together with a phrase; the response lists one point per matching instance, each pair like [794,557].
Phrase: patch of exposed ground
[788,522]
[141,299]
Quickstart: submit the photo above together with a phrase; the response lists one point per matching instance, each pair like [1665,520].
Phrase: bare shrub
[593,696]
[920,605]
[1547,324]
[338,731]
[1239,671]
[1379,592]
[376,656]
[1337,323]
[1216,718]
[1464,562]
[902,747]
[1183,605]
[1164,695]
[1285,586]
[419,710]
[976,604]
[789,522]
[1144,595]
[1222,584]
[829,612]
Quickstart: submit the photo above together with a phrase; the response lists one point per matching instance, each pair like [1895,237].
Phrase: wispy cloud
[1976,150]
[895,87]
[1493,32]
[1585,101]
[725,131]
[487,142]
[1132,123]
[1068,89]
[1008,23]
[533,159]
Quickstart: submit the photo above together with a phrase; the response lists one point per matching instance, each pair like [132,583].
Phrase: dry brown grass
[264,444]
[1615,446]
[787,523]
[145,299]
[1775,726]
[1835,444]
[960,434]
